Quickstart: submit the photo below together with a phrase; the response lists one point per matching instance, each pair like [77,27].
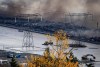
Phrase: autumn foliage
[55,57]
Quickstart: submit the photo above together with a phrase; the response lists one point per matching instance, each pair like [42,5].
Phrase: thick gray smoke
[12,7]
[52,9]
[59,8]
[56,7]
[93,6]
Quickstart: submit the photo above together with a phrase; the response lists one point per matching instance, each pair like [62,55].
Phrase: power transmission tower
[28,40]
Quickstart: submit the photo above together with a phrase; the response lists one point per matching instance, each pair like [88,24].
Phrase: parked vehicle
[4,62]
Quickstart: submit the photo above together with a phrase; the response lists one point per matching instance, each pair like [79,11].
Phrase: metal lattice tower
[28,40]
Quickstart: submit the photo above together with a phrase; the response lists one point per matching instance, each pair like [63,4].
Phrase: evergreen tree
[13,62]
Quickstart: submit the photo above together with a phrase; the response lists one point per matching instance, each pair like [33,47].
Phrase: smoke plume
[52,9]
[12,7]
[93,6]
[56,7]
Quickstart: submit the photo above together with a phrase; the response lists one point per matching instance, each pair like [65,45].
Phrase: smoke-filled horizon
[51,9]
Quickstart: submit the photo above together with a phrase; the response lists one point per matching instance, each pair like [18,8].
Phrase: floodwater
[11,39]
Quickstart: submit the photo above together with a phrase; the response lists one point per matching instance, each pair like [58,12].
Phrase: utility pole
[15,20]
[97,25]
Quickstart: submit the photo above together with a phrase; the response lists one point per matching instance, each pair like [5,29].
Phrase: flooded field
[13,39]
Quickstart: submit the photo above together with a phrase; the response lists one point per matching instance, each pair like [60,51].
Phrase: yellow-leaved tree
[58,56]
